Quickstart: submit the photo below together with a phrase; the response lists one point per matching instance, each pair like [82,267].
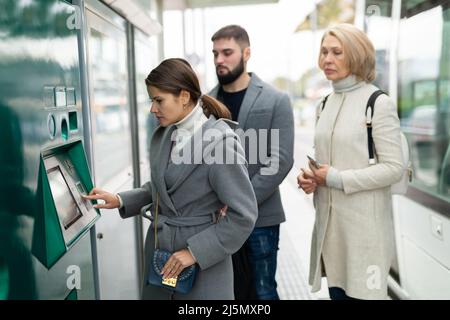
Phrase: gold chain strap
[155,221]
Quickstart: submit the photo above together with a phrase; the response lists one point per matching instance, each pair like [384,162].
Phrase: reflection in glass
[424,86]
[146,60]
[109,78]
[377,26]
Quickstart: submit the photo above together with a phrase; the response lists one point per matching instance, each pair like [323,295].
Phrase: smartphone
[314,162]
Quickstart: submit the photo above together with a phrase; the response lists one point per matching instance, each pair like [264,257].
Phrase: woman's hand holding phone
[319,171]
[313,162]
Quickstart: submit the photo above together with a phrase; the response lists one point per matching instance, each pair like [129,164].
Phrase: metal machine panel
[424,245]
[38,63]
[427,229]
[417,263]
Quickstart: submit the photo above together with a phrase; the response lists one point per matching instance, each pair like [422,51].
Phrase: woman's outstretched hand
[111,200]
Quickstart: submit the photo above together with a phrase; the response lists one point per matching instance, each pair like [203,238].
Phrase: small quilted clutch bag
[181,284]
[185,280]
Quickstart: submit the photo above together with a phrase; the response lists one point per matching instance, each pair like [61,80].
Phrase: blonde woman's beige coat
[353,237]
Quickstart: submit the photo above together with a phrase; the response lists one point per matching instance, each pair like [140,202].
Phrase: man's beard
[232,75]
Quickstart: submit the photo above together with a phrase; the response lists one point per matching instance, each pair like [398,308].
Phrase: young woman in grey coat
[192,178]
[353,238]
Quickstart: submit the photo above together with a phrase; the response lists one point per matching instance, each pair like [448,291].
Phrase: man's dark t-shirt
[232,100]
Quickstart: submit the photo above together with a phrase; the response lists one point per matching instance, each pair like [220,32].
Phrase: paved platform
[296,232]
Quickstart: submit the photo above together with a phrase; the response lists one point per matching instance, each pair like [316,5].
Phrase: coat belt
[179,221]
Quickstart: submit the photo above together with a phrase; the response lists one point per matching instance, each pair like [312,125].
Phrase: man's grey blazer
[264,107]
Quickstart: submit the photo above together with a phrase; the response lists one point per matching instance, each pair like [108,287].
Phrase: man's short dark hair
[233,31]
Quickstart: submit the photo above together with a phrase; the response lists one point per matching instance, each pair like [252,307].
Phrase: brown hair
[233,31]
[358,49]
[174,75]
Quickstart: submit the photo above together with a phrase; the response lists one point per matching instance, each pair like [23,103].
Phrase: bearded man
[256,105]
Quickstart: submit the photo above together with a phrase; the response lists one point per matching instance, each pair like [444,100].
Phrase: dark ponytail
[174,75]
[214,107]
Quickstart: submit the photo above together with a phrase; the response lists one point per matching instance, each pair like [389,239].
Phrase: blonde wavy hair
[359,52]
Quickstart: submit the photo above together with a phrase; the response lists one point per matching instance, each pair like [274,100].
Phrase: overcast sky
[276,49]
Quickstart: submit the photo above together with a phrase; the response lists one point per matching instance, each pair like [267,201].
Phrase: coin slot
[64,129]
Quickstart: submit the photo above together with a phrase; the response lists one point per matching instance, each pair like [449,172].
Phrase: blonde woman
[353,238]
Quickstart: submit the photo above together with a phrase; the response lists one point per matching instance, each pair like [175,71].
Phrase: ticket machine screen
[66,206]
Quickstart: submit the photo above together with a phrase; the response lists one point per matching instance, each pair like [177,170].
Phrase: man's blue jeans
[262,248]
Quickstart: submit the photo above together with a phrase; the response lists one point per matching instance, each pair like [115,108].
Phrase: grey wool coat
[266,108]
[353,236]
[187,211]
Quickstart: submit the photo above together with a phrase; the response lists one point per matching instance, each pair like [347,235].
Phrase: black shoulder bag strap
[369,116]
[323,107]
[369,110]
[324,101]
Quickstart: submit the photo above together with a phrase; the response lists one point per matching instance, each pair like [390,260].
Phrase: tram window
[413,7]
[424,91]
[66,206]
[378,23]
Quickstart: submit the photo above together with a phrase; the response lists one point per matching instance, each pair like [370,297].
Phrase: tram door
[146,60]
[111,139]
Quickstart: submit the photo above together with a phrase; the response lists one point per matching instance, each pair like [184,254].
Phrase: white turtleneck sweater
[187,126]
[350,83]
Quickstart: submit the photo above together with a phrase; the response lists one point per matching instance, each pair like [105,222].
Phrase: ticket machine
[64,215]
[46,250]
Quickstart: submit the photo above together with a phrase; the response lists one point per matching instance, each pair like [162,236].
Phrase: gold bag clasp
[171,282]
